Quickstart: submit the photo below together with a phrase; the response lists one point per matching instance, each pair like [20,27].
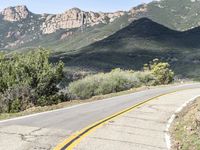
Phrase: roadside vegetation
[185,130]
[154,73]
[29,80]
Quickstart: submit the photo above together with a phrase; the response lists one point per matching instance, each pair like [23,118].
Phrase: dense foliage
[28,80]
[117,80]
[161,71]
[104,83]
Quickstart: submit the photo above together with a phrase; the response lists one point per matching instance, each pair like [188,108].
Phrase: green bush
[83,88]
[28,79]
[146,78]
[104,83]
[161,70]
[16,98]
[155,73]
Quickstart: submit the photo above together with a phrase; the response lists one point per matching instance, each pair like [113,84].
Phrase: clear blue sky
[58,6]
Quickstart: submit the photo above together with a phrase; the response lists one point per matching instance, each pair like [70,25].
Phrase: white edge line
[172,118]
[61,109]
[41,113]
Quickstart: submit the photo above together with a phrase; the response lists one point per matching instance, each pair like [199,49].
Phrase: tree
[33,76]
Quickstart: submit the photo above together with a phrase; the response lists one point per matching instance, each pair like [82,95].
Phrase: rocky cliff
[19,26]
[72,18]
[75,18]
[15,13]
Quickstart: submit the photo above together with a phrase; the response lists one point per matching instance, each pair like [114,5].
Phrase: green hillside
[79,38]
[176,14]
[119,43]
[138,43]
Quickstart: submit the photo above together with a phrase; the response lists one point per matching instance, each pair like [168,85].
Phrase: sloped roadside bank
[185,129]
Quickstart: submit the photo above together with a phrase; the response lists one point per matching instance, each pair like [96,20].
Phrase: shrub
[16,98]
[146,78]
[84,88]
[104,83]
[161,71]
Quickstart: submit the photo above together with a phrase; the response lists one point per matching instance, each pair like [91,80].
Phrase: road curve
[144,128]
[45,130]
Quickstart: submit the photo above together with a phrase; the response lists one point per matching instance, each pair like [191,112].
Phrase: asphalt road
[143,128]
[45,130]
[77,117]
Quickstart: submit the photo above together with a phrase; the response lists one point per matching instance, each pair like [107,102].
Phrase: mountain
[21,28]
[66,32]
[167,29]
[176,14]
[137,44]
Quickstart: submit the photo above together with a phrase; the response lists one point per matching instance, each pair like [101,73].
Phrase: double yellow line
[75,139]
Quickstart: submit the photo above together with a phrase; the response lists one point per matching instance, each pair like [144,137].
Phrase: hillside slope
[176,14]
[22,29]
[66,32]
[138,43]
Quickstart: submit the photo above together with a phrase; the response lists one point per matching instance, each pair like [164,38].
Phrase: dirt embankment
[185,130]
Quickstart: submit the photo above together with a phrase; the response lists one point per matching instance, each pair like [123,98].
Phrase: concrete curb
[172,118]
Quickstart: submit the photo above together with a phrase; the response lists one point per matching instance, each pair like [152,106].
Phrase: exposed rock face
[75,18]
[139,9]
[15,13]
[115,15]
[138,12]
[25,26]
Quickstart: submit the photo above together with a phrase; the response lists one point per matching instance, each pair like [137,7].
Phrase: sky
[59,6]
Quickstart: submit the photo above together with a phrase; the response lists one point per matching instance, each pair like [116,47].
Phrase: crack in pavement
[149,120]
[106,139]
[132,133]
[162,105]
[147,129]
[34,139]
[39,135]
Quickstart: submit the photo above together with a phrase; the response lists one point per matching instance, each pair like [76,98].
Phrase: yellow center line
[76,138]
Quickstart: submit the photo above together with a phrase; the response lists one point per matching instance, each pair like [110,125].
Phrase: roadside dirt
[185,129]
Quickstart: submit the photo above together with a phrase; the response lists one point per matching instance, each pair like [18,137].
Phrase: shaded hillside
[75,39]
[138,43]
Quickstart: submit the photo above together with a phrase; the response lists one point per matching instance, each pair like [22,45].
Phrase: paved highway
[68,120]
[143,128]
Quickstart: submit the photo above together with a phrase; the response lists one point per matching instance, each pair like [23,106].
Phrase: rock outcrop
[15,13]
[75,18]
[72,18]
[26,26]
[139,9]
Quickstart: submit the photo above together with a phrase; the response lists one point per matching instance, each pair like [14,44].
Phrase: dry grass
[185,130]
